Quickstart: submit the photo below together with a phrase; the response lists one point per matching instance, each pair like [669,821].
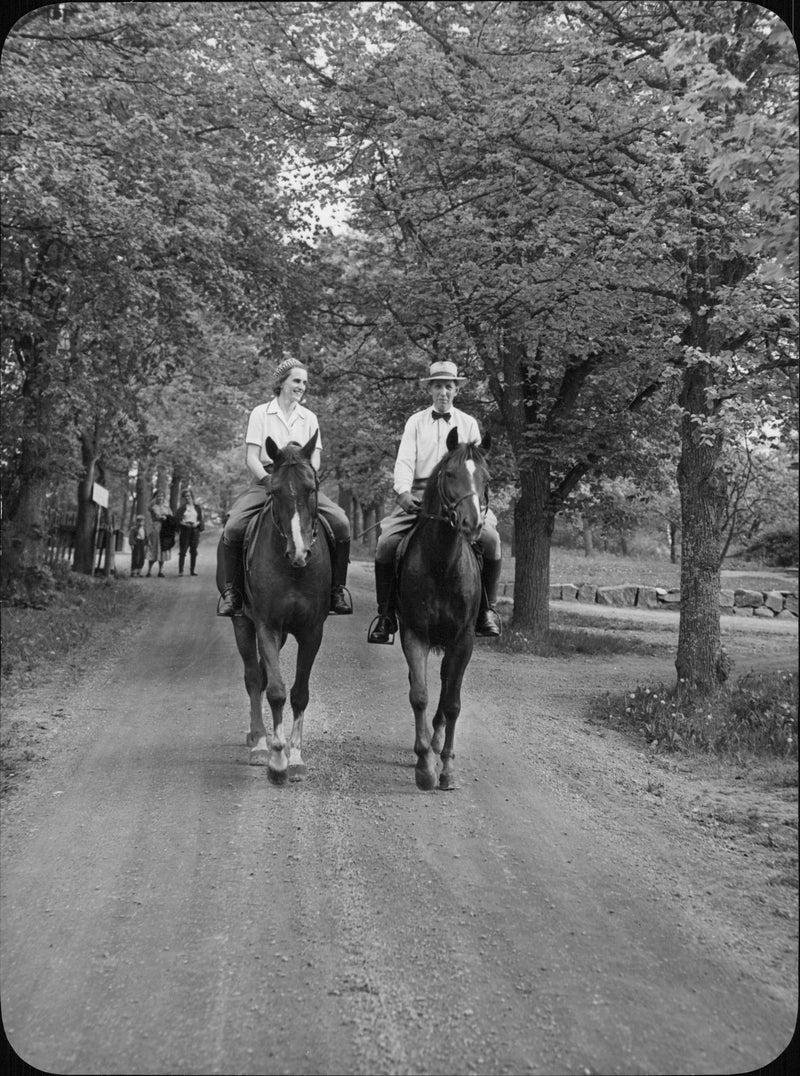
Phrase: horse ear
[452,439]
[271,447]
[486,441]
[308,448]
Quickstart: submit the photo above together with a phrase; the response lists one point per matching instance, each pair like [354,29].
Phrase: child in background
[138,543]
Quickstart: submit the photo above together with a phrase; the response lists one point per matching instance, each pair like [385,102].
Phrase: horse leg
[270,645]
[307,649]
[437,741]
[454,665]
[417,658]
[255,683]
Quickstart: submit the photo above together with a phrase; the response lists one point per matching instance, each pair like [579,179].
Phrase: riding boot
[384,626]
[341,602]
[489,623]
[181,561]
[230,604]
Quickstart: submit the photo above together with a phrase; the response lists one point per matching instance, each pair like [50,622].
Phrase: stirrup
[389,640]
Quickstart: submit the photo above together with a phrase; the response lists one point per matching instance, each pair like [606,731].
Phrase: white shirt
[424,443]
[267,420]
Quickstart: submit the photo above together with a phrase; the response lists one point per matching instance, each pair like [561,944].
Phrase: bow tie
[441,414]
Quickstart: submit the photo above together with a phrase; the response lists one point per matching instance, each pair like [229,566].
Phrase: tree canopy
[590,206]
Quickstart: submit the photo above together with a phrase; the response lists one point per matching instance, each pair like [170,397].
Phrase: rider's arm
[405,467]
[406,463]
[254,464]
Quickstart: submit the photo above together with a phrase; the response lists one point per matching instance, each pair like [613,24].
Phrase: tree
[580,214]
[144,222]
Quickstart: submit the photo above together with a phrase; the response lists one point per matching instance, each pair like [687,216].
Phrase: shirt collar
[274,409]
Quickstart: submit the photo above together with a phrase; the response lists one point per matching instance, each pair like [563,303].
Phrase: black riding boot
[230,557]
[341,602]
[384,626]
[488,621]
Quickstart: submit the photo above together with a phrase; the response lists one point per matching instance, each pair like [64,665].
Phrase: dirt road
[575,906]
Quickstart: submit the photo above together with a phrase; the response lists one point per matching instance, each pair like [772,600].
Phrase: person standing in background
[189,518]
[159,514]
[138,544]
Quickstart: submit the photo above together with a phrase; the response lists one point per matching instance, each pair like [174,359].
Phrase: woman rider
[284,419]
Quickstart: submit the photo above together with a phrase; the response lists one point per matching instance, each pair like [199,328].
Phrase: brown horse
[438,597]
[286,592]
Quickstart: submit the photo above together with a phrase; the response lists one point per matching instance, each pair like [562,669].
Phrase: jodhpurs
[398,523]
[250,503]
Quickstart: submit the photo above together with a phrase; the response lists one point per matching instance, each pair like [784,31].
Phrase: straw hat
[443,371]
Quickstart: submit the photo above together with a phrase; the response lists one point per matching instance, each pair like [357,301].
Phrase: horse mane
[467,450]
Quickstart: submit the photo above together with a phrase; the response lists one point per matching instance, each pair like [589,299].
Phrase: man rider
[422,446]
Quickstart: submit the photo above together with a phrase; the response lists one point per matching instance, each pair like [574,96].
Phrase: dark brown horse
[438,597]
[287,592]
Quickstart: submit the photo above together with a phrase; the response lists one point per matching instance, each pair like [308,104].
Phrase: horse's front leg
[255,683]
[270,644]
[416,654]
[454,665]
[307,648]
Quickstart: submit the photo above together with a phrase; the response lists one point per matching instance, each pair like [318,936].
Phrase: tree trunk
[533,528]
[85,520]
[673,542]
[142,493]
[175,485]
[23,534]
[701,664]
[588,538]
[24,524]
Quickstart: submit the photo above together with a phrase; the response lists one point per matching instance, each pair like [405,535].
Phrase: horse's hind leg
[255,683]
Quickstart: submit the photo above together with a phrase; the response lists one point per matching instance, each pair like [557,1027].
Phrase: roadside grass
[607,569]
[570,566]
[43,641]
[566,642]
[755,717]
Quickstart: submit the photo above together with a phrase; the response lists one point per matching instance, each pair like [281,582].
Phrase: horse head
[460,485]
[294,497]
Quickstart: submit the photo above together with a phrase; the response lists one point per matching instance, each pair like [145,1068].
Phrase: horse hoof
[426,781]
[298,771]
[276,777]
[259,756]
[447,782]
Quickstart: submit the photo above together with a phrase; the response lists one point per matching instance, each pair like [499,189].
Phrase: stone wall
[771,604]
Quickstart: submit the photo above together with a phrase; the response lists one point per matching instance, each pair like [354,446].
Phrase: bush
[34,587]
[778,549]
[757,716]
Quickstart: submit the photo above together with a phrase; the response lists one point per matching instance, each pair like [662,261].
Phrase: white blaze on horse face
[301,551]
[477,527]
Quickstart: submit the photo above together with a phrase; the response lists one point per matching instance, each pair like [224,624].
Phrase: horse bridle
[449,507]
[314,514]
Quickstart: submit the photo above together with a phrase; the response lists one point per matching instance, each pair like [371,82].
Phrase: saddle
[405,541]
